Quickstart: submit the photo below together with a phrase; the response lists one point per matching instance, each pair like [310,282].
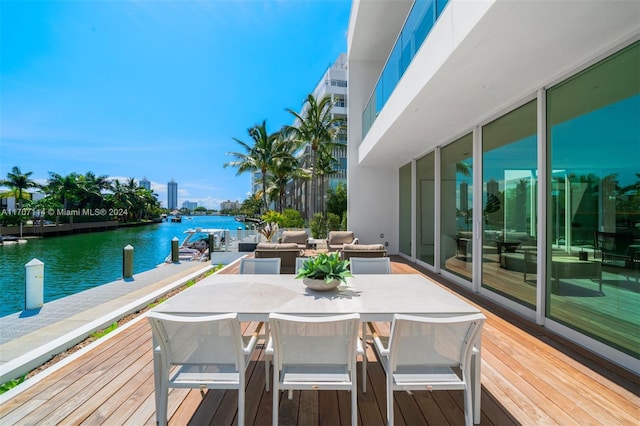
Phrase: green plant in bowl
[326,267]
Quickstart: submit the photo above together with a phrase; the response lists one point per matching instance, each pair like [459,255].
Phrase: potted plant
[325,271]
[268,229]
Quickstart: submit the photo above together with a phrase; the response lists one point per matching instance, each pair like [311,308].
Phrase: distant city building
[189,205]
[230,205]
[144,183]
[172,195]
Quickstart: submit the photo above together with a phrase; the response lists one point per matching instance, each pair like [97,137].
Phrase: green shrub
[333,222]
[343,223]
[11,384]
[273,217]
[318,226]
[102,333]
[291,219]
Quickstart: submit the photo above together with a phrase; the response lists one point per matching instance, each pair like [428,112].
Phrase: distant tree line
[95,197]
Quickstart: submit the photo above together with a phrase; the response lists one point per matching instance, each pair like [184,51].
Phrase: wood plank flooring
[529,376]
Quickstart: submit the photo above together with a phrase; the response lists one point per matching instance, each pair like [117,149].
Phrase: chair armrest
[356,241]
[250,346]
[269,349]
[377,341]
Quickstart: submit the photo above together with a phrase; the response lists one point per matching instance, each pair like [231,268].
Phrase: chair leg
[364,357]
[266,357]
[389,399]
[241,404]
[468,407]
[354,405]
[162,403]
[276,399]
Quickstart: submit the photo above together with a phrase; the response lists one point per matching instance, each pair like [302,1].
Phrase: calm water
[78,262]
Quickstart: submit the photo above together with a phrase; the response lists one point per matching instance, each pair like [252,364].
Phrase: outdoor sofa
[287,252]
[301,238]
[363,250]
[337,239]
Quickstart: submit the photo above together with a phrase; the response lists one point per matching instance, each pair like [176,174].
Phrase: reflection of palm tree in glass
[463,168]
[522,188]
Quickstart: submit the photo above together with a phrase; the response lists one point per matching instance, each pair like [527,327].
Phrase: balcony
[419,23]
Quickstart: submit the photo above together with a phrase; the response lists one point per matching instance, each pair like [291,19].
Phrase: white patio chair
[260,266]
[269,265]
[370,265]
[208,352]
[299,263]
[421,352]
[314,353]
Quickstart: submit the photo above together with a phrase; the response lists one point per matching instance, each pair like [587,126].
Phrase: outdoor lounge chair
[363,250]
[337,239]
[301,238]
[209,352]
[286,252]
[422,352]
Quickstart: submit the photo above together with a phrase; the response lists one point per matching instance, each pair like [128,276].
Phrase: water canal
[78,262]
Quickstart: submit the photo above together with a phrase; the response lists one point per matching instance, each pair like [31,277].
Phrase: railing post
[127,262]
[34,284]
[175,258]
[212,244]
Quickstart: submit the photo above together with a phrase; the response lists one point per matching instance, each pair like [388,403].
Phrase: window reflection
[594,209]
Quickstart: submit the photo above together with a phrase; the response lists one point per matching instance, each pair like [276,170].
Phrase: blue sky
[156,88]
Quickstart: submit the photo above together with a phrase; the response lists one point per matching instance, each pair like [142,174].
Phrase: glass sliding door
[456,207]
[594,202]
[405,209]
[509,183]
[425,209]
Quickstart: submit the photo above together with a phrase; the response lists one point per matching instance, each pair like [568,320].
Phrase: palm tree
[91,187]
[317,127]
[327,165]
[256,158]
[64,188]
[284,166]
[18,183]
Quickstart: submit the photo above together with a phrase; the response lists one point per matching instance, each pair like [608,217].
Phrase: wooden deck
[529,376]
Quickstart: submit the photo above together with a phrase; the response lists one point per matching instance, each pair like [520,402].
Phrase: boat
[7,240]
[195,246]
[176,219]
[240,218]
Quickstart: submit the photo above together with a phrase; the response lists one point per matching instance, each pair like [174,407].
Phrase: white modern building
[172,195]
[497,143]
[334,83]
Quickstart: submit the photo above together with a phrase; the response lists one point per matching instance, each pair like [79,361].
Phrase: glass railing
[423,15]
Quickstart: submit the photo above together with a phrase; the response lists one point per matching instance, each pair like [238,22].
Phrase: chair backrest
[298,237]
[260,266]
[370,265]
[328,340]
[433,341]
[211,339]
[299,263]
[340,237]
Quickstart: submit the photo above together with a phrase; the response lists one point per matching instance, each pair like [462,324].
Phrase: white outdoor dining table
[374,297]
